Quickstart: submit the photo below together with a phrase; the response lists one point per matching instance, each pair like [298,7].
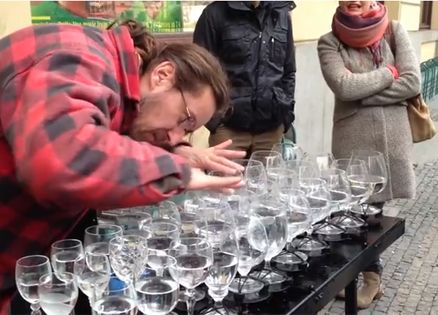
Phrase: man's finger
[233,166]
[230,154]
[224,144]
[224,182]
[214,165]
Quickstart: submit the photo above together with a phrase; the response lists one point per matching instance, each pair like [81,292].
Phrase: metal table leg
[351,298]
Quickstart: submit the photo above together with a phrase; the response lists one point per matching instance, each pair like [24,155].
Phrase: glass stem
[218,305]
[190,301]
[268,264]
[160,272]
[35,309]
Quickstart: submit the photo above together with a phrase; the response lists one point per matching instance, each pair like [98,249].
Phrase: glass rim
[318,180]
[20,261]
[63,280]
[265,151]
[158,223]
[200,239]
[128,237]
[334,169]
[245,162]
[116,228]
[76,242]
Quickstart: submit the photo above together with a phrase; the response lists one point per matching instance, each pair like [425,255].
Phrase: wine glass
[115,216]
[289,151]
[28,271]
[272,214]
[377,174]
[360,190]
[269,159]
[302,169]
[92,272]
[318,198]
[253,245]
[339,188]
[118,298]
[339,191]
[129,219]
[128,256]
[357,174]
[272,161]
[194,256]
[97,237]
[254,176]
[219,231]
[215,216]
[216,197]
[162,229]
[161,234]
[192,221]
[298,212]
[157,294]
[58,293]
[165,211]
[191,218]
[64,253]
[323,160]
[224,266]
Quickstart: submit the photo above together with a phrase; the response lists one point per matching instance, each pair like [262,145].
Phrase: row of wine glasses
[211,237]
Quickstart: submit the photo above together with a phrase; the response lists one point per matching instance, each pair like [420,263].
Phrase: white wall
[314,102]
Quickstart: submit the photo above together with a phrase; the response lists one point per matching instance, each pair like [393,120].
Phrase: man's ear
[163,75]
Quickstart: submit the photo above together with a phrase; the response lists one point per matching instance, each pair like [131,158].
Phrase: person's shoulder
[397,26]
[215,6]
[395,23]
[328,38]
[216,11]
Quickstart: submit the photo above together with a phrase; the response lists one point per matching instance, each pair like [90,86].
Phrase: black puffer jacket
[256,49]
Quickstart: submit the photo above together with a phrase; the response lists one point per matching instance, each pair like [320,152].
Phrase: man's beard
[139,130]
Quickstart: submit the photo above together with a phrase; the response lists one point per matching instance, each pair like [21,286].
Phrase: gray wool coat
[370,109]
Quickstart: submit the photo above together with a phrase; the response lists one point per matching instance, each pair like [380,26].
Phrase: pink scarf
[361,30]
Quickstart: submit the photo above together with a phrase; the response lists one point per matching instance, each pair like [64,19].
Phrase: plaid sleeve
[57,121]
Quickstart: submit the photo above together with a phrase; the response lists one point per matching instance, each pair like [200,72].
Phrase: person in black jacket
[254,42]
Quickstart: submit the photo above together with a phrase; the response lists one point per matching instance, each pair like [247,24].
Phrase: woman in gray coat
[371,84]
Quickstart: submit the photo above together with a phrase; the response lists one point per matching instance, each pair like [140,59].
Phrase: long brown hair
[145,43]
[195,68]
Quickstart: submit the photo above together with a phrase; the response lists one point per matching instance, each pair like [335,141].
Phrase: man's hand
[200,181]
[216,158]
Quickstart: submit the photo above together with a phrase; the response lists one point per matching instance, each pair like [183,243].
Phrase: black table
[309,291]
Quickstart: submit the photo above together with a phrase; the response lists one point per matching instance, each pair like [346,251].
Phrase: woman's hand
[200,181]
[394,71]
[216,158]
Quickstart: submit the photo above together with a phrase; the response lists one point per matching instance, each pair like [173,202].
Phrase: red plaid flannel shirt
[66,94]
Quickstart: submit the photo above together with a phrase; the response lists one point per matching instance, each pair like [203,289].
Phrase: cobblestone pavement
[410,274]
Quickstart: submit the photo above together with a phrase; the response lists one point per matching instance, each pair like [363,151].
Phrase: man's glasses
[188,123]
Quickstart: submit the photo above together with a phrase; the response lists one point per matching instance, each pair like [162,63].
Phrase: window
[426,14]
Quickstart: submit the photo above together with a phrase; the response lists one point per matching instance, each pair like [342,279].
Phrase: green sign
[157,16]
